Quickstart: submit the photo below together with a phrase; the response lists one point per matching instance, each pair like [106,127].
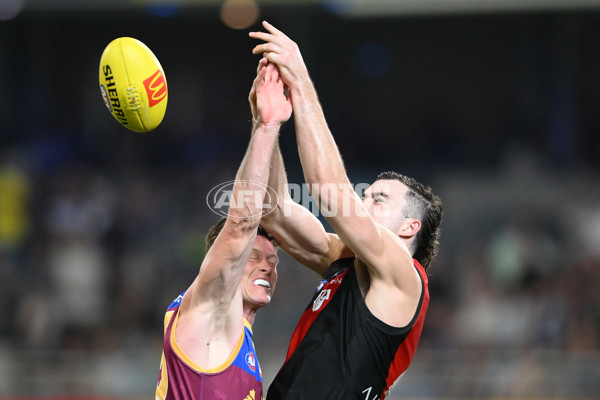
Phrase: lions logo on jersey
[251,361]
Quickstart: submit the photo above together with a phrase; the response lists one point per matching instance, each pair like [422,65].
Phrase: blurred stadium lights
[66,5]
[390,8]
[9,9]
[351,8]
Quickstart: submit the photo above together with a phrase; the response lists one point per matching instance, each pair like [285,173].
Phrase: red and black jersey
[340,350]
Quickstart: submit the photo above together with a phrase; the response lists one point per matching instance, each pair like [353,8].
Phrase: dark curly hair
[424,205]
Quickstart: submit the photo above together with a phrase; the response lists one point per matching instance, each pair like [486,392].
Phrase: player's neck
[250,314]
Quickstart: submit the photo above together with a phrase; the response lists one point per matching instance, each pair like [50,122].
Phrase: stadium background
[495,104]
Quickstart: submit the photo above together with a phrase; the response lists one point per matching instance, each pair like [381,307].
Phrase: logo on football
[156,88]
[105,97]
[133,84]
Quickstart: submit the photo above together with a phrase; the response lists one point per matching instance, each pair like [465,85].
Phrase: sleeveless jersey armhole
[179,352]
[379,324]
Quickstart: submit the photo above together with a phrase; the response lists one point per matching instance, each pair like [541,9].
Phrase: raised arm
[216,288]
[387,259]
[299,233]
[296,229]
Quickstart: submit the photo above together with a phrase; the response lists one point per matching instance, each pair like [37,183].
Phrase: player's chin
[261,299]
[258,296]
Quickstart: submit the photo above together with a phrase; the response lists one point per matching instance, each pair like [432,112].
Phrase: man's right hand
[272,106]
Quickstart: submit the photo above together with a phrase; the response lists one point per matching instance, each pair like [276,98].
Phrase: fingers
[262,73]
[263,62]
[264,36]
[275,36]
[264,48]
[257,49]
[268,74]
[272,73]
[273,30]
[278,48]
[267,37]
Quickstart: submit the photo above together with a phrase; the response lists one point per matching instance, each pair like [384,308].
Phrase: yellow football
[133,84]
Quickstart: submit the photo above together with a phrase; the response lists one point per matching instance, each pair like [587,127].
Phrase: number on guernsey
[368,391]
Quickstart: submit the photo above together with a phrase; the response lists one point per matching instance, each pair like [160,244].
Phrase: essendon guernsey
[340,350]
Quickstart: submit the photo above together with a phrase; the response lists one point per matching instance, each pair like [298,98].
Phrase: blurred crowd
[101,228]
[89,260]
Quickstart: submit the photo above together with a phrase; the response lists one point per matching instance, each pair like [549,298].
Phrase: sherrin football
[133,84]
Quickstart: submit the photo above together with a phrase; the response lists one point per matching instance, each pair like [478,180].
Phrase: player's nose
[265,266]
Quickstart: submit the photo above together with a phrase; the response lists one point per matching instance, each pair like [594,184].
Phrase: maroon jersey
[238,378]
[340,350]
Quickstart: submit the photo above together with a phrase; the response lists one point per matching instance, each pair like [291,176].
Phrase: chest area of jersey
[325,292]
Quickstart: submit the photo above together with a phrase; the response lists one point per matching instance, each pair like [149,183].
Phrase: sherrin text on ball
[133,84]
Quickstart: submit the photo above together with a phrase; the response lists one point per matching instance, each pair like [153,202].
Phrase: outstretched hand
[267,98]
[252,96]
[283,51]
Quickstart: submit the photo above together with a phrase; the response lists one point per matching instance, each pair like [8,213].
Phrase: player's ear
[409,228]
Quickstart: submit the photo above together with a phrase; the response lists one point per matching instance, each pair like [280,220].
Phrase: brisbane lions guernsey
[238,378]
[340,350]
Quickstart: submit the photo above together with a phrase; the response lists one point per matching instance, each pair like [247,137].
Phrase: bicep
[223,266]
[377,247]
[301,235]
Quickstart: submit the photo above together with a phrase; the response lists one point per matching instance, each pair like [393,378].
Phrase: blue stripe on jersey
[246,358]
[176,302]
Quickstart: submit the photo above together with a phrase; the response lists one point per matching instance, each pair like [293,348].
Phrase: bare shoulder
[204,333]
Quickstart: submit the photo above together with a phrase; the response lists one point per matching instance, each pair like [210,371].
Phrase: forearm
[252,177]
[277,177]
[299,233]
[274,218]
[319,155]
